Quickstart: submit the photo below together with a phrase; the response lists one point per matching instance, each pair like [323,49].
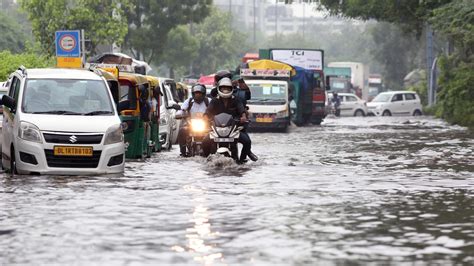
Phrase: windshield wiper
[57,112]
[99,113]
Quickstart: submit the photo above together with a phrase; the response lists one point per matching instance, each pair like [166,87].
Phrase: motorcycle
[197,131]
[225,133]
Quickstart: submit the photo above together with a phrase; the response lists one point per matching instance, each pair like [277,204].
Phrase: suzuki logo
[73,139]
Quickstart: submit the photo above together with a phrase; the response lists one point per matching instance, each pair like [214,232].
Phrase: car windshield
[382,98]
[66,96]
[268,92]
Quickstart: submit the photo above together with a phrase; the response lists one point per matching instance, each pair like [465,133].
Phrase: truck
[269,82]
[309,91]
[375,85]
[359,77]
[339,79]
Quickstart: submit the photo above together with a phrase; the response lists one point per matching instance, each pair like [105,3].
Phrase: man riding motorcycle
[336,103]
[227,103]
[241,92]
[198,103]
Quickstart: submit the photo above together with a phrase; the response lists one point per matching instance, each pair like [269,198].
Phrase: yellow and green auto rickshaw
[155,112]
[135,112]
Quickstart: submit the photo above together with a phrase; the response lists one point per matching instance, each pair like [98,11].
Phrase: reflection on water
[367,190]
[200,232]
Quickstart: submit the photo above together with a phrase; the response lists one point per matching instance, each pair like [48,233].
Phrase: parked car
[396,103]
[61,121]
[169,125]
[351,105]
[3,91]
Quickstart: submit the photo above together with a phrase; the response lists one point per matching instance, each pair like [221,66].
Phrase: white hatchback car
[351,105]
[396,103]
[169,125]
[61,121]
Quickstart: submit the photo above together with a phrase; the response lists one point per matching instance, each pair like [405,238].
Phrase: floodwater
[356,190]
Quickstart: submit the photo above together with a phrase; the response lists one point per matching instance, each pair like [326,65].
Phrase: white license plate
[223,140]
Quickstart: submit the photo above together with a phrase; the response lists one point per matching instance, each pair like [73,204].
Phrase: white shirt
[196,108]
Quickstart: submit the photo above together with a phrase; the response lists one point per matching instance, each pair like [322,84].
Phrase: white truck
[269,106]
[359,77]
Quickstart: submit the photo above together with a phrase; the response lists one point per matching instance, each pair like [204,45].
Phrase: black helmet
[222,74]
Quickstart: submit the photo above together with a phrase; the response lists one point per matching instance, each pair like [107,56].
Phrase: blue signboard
[68,43]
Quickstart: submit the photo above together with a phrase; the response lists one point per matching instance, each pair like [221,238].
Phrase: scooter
[225,133]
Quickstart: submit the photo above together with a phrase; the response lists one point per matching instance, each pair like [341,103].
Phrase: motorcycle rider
[241,92]
[336,103]
[198,103]
[226,102]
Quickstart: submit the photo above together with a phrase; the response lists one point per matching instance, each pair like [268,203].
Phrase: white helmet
[225,88]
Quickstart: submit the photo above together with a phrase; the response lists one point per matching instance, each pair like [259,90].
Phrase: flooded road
[367,190]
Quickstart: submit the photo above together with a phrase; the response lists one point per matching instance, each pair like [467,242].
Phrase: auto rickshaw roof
[270,64]
[134,78]
[154,81]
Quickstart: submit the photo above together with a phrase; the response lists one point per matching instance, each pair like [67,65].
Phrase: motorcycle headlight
[113,135]
[198,125]
[223,131]
[29,132]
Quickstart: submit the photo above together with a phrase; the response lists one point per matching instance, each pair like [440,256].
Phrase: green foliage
[10,62]
[457,95]
[103,21]
[150,21]
[12,38]
[396,51]
[220,46]
[181,49]
[410,14]
[422,91]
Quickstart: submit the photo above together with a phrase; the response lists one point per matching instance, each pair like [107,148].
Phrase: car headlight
[29,132]
[282,114]
[114,135]
[198,125]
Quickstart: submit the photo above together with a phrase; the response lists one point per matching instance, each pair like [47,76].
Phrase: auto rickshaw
[135,112]
[155,112]
[111,76]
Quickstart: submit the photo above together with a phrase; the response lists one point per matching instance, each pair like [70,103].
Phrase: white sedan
[351,105]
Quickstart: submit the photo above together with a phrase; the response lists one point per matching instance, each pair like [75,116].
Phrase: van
[61,121]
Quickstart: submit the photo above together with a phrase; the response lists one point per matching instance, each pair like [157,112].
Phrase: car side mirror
[328,82]
[9,102]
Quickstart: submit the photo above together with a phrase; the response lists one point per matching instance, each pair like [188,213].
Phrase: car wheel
[386,113]
[359,113]
[417,113]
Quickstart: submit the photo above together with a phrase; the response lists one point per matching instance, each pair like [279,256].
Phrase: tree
[103,21]
[409,14]
[150,21]
[220,46]
[12,37]
[397,51]
[10,62]
[181,49]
